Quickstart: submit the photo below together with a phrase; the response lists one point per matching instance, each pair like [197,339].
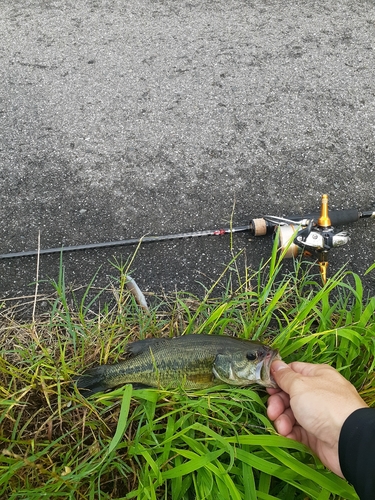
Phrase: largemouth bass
[189,361]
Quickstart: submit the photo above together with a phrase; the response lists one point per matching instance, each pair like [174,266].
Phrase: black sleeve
[357,451]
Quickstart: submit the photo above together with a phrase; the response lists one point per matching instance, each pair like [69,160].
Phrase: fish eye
[251,356]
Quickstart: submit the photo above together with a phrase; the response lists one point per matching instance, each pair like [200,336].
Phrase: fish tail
[93,380]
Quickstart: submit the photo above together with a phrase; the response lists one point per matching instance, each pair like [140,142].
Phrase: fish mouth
[263,370]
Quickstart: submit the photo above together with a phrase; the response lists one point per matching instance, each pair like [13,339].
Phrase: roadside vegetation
[156,444]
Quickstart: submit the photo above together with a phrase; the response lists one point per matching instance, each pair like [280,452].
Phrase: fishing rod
[313,235]
[125,243]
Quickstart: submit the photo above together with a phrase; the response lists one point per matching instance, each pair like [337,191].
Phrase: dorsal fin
[141,346]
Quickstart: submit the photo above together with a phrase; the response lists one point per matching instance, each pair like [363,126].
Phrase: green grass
[151,444]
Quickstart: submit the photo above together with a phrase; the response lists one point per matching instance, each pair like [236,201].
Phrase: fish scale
[190,361]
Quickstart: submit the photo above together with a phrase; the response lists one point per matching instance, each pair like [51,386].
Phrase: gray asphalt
[126,118]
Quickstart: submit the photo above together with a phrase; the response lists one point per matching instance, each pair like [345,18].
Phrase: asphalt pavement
[125,118]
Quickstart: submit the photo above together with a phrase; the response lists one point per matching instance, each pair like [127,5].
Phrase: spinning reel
[310,238]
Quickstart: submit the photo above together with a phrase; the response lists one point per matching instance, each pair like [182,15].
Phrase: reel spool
[309,238]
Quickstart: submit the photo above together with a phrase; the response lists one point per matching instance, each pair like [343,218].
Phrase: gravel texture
[125,118]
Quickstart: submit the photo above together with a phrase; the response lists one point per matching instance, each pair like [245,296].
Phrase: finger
[284,376]
[277,404]
[298,433]
[285,422]
[272,390]
[282,396]
[309,369]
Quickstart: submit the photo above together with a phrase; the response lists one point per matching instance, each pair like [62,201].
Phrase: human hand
[311,407]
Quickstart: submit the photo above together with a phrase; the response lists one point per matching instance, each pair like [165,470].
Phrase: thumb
[283,375]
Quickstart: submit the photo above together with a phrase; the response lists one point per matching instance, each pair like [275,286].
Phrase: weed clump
[154,444]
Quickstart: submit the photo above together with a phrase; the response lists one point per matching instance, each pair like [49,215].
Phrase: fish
[192,362]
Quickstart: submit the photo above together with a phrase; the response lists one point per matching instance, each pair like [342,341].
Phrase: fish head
[250,365]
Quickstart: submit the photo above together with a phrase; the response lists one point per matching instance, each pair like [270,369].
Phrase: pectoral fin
[203,379]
